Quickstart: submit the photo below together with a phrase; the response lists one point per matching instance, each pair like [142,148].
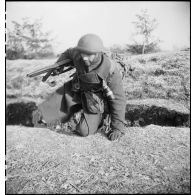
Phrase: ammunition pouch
[90,82]
[92,102]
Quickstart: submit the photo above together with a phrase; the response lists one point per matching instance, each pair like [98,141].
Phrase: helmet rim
[83,50]
[90,44]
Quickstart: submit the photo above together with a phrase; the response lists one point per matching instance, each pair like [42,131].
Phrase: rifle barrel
[48,68]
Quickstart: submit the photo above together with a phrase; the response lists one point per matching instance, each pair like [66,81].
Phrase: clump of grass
[159,71]
[142,61]
[154,59]
[17,82]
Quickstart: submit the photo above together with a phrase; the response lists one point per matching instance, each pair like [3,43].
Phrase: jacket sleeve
[68,54]
[118,105]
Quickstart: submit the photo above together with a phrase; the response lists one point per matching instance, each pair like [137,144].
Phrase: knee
[83,131]
[87,127]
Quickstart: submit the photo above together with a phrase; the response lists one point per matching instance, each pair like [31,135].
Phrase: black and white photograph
[98,97]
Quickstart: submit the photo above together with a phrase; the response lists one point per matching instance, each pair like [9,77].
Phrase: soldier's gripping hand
[115,135]
[57,71]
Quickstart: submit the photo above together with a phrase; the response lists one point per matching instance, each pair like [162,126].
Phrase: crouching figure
[93,96]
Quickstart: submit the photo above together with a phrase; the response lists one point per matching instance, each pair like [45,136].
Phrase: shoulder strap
[113,66]
[111,72]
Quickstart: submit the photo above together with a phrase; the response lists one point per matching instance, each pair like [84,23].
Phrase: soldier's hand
[57,71]
[114,135]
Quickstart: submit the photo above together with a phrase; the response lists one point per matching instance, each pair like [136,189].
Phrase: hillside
[159,76]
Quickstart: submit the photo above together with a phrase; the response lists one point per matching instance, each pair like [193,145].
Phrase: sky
[111,20]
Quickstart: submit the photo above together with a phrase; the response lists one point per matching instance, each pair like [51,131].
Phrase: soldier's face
[88,58]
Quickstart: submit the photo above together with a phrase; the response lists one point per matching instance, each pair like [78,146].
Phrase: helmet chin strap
[87,63]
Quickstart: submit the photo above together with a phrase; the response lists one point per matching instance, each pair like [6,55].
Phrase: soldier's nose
[85,58]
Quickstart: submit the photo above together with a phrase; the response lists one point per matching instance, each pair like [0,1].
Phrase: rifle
[52,69]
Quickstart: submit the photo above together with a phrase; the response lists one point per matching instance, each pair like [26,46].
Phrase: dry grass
[146,160]
[161,75]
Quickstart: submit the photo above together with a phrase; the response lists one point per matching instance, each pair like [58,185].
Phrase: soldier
[94,94]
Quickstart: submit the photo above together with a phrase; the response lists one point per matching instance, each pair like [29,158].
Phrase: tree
[27,40]
[145,25]
[14,46]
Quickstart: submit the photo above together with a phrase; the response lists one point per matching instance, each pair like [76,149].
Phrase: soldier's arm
[118,105]
[68,54]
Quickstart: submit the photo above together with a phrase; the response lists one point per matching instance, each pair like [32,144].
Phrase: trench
[19,113]
[143,115]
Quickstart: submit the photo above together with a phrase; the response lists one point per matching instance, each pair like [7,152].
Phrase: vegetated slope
[160,76]
[153,159]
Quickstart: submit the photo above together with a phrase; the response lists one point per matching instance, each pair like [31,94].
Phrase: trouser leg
[60,105]
[89,124]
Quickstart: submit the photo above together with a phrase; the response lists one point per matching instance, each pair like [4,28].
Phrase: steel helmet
[90,43]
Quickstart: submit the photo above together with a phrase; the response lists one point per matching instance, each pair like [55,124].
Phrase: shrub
[17,82]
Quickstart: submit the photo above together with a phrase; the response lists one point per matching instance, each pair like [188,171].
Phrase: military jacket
[108,71]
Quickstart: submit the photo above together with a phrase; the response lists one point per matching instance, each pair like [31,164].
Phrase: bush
[137,49]
[13,54]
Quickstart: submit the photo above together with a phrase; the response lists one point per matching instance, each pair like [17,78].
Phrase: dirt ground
[152,159]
